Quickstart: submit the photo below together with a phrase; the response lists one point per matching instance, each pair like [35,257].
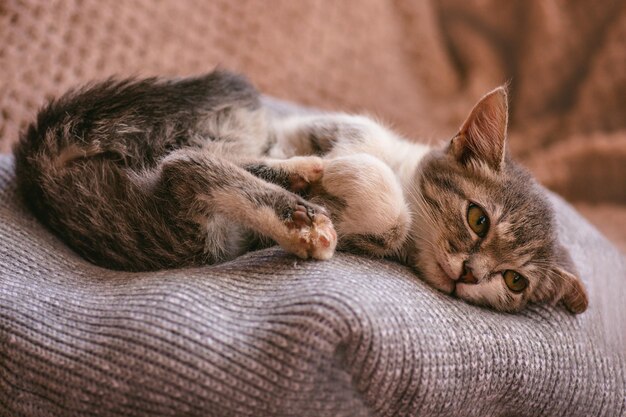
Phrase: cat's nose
[467,277]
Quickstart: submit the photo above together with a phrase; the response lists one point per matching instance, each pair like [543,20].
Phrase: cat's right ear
[573,293]
[482,136]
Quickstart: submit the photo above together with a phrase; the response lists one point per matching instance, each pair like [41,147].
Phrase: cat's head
[483,229]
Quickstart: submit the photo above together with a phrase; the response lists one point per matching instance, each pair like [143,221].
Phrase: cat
[151,174]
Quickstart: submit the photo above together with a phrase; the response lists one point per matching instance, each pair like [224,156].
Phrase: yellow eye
[477,220]
[515,281]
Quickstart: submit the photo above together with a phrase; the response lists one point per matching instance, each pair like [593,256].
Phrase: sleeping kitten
[151,174]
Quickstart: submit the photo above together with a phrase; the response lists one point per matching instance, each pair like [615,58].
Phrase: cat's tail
[86,199]
[88,196]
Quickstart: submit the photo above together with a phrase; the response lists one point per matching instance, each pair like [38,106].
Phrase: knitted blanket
[270,335]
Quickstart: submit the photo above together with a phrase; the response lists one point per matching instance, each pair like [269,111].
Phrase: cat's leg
[209,185]
[295,174]
[366,203]
[361,192]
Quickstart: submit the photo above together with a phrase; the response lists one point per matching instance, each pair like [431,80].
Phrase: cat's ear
[573,293]
[569,287]
[483,134]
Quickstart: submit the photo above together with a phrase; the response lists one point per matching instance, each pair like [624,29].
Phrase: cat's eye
[514,281]
[477,220]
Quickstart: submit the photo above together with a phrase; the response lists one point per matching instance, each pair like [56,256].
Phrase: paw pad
[312,234]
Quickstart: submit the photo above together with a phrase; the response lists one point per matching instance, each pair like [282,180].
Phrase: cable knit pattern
[271,335]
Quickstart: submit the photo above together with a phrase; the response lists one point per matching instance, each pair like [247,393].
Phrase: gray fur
[126,171]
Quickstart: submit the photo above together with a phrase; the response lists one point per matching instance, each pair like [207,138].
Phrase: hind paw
[311,233]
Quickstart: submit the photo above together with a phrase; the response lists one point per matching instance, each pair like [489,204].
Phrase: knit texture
[271,335]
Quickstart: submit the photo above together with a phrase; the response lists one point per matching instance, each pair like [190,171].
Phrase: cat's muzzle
[467,277]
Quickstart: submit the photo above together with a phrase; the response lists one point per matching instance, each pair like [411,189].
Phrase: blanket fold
[271,335]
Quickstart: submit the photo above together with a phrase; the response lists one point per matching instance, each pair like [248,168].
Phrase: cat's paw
[311,233]
[303,171]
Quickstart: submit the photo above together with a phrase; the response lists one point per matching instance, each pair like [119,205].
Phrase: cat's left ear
[569,287]
[483,134]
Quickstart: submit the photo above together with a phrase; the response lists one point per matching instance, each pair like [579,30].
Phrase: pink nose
[467,277]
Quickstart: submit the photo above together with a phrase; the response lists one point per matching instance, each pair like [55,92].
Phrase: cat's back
[141,118]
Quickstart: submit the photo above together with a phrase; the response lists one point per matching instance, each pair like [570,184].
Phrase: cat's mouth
[448,283]
[447,270]
[466,276]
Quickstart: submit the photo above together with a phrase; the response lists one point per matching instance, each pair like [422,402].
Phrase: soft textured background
[419,65]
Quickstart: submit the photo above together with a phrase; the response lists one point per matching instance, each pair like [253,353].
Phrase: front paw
[311,233]
[303,171]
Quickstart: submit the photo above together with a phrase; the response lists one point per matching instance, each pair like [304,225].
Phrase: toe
[301,216]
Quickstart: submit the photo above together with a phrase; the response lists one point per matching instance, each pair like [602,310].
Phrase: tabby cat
[152,174]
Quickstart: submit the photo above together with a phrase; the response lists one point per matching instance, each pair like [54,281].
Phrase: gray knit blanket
[272,335]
